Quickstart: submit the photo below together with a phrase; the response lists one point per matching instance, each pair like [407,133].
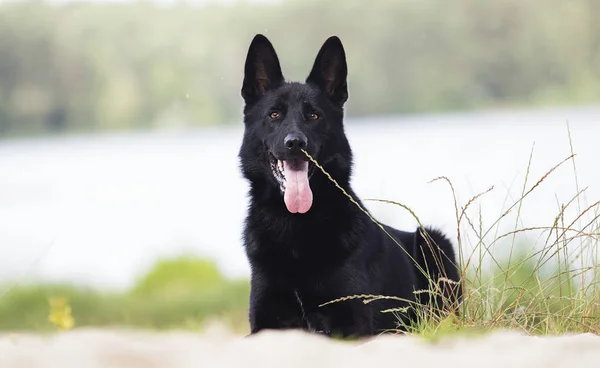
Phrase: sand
[91,348]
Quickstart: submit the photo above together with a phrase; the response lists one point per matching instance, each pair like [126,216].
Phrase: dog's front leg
[273,308]
[349,319]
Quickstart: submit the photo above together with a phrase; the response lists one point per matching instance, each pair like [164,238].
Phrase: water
[99,210]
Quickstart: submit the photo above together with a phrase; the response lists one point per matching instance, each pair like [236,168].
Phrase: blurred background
[120,123]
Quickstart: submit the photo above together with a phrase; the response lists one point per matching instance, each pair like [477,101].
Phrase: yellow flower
[60,313]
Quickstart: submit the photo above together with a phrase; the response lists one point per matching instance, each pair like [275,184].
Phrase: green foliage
[80,67]
[176,293]
[174,278]
[27,307]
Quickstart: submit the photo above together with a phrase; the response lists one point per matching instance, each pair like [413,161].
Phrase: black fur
[299,261]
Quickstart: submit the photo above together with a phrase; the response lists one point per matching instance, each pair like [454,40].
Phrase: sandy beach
[91,348]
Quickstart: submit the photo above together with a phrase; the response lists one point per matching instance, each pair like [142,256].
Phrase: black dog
[306,242]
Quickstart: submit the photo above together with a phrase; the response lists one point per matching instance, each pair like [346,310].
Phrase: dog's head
[283,120]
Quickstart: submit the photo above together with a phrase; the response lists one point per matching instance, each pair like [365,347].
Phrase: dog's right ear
[262,70]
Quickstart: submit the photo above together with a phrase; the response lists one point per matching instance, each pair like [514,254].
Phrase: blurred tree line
[83,67]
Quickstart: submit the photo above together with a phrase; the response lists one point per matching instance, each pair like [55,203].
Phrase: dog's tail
[440,270]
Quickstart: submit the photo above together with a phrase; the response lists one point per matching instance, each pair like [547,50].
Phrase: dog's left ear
[329,71]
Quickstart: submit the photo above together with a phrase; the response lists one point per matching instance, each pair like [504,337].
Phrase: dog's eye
[274,115]
[314,116]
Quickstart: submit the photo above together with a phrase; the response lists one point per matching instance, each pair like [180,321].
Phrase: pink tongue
[298,196]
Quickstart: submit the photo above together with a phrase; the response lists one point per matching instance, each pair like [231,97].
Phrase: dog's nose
[295,141]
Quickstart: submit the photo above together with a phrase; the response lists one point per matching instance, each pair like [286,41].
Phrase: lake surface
[100,209]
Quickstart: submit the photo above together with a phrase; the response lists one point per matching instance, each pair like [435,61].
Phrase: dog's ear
[329,71]
[262,70]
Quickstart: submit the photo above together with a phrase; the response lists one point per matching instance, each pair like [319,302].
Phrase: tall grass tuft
[547,288]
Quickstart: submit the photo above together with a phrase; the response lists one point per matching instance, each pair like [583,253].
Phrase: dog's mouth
[293,177]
